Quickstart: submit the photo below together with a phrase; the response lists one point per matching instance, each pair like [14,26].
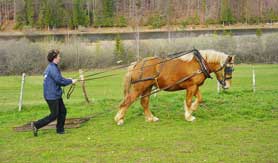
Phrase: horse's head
[225,71]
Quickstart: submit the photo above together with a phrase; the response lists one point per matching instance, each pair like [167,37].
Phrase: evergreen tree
[20,20]
[47,16]
[80,15]
[226,13]
[40,22]
[108,8]
[83,16]
[119,50]
[76,12]
[108,12]
[86,19]
[67,19]
[120,22]
[271,16]
[57,13]
[106,17]
[29,8]
[44,20]
[97,19]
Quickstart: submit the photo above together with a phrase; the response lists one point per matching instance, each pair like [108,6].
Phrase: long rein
[171,57]
[72,86]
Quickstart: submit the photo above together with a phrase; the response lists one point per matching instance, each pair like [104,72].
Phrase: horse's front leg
[198,99]
[145,104]
[188,106]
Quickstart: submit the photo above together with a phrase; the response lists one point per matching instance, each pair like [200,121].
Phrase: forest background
[51,14]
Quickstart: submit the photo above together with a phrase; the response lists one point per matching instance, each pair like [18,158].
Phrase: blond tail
[127,78]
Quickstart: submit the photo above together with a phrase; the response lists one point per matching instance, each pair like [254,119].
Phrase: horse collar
[202,62]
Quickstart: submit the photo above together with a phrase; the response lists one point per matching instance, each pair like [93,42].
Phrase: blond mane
[211,56]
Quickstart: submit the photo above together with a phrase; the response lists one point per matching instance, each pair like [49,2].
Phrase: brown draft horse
[168,77]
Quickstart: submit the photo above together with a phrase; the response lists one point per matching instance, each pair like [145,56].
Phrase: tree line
[110,13]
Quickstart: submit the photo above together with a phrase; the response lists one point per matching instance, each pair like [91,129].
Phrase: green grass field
[233,126]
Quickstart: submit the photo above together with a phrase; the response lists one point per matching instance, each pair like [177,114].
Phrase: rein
[70,91]
[100,77]
[72,87]
[171,57]
[101,72]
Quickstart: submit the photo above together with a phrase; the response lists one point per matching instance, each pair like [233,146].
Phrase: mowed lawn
[234,126]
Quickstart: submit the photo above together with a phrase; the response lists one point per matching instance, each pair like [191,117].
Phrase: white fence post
[21,92]
[254,80]
[218,87]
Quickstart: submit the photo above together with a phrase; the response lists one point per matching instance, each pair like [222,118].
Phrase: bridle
[228,70]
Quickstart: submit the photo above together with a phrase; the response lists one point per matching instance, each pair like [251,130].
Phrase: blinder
[228,70]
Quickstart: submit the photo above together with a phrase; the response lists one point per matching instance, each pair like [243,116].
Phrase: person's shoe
[61,132]
[34,128]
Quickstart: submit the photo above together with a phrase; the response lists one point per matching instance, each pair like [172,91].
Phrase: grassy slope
[234,126]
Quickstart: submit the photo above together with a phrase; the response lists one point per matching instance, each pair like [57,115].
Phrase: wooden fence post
[83,85]
[21,92]
[218,87]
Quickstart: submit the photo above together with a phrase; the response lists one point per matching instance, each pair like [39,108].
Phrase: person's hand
[74,81]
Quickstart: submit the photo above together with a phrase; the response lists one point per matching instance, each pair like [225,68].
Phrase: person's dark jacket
[53,81]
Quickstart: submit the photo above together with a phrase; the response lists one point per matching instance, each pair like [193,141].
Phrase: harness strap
[158,73]
[156,83]
[169,58]
[142,68]
[220,69]
[148,78]
[169,86]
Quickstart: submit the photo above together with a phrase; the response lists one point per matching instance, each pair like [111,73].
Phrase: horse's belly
[170,86]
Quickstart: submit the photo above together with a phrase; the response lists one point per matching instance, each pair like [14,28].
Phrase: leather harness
[203,65]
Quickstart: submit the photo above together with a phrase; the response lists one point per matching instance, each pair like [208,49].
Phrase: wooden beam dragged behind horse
[186,72]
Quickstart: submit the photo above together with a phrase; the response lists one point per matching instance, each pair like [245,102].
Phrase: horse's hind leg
[145,104]
[128,100]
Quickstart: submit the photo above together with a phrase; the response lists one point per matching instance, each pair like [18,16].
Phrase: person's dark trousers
[57,111]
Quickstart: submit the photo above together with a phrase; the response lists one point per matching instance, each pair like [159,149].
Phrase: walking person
[53,81]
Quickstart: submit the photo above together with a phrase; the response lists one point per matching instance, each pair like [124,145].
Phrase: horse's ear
[231,58]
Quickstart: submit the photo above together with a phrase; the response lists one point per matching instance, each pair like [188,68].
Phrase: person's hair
[52,54]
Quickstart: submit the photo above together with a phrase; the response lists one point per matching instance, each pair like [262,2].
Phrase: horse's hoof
[152,119]
[155,119]
[148,119]
[190,119]
[117,117]
[120,122]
